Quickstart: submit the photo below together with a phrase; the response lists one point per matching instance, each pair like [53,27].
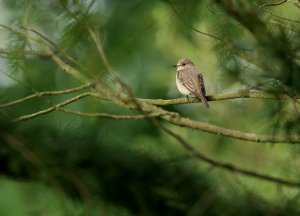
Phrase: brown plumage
[190,81]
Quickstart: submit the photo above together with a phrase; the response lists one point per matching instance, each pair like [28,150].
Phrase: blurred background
[61,164]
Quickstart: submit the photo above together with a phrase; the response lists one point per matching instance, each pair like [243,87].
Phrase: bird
[189,80]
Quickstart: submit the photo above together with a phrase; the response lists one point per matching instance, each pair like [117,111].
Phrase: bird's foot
[187,97]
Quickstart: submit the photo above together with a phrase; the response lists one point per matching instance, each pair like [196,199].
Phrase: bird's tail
[202,98]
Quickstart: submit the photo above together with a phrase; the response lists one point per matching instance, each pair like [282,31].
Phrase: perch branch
[217,97]
[176,119]
[171,117]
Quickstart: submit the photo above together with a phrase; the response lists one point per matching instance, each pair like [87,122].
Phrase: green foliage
[85,166]
[131,167]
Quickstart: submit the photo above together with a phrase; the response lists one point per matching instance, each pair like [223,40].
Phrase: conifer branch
[23,52]
[50,109]
[48,40]
[107,115]
[64,66]
[275,15]
[40,94]
[226,132]
[227,166]
[217,97]
[190,26]
[171,117]
[273,4]
[119,83]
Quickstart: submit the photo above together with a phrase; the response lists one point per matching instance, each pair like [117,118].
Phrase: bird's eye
[183,64]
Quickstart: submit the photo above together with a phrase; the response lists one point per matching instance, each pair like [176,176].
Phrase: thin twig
[40,94]
[190,26]
[120,84]
[107,115]
[272,4]
[17,32]
[50,109]
[24,52]
[64,66]
[53,44]
[275,15]
[16,80]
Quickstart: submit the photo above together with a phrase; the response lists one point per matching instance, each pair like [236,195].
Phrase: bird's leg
[187,97]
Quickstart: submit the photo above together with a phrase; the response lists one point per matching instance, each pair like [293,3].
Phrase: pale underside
[183,90]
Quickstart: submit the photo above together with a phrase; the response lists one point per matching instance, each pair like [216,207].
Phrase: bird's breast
[183,90]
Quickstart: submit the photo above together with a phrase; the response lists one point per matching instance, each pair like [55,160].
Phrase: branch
[275,15]
[148,106]
[227,166]
[64,66]
[272,4]
[53,44]
[110,116]
[190,26]
[24,52]
[55,107]
[176,119]
[124,88]
[172,117]
[40,94]
[18,32]
[120,84]
[203,126]
[222,96]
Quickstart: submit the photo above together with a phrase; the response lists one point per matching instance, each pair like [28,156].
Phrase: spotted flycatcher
[189,80]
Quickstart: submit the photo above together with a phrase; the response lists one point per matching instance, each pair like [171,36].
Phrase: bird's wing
[201,83]
[187,80]
[193,81]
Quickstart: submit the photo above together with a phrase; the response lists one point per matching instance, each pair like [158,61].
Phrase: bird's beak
[175,65]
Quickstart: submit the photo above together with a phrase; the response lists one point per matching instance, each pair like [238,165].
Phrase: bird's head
[184,63]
